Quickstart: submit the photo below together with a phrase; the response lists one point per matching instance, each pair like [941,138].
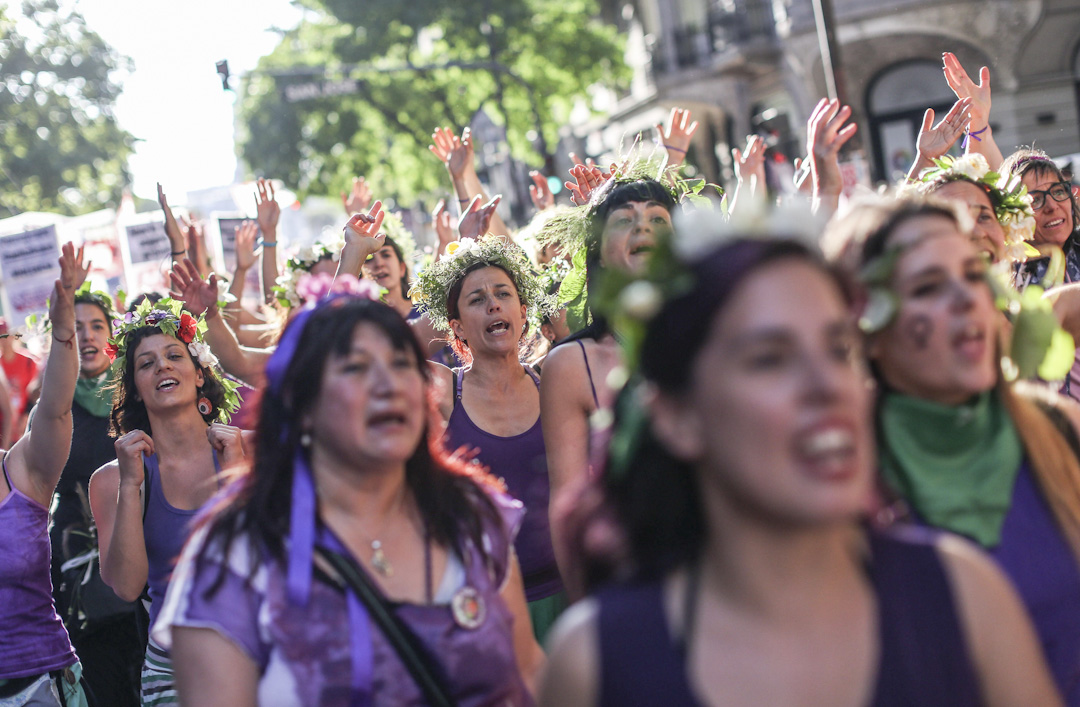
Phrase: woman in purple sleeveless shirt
[348,460]
[36,657]
[169,452]
[740,465]
[481,293]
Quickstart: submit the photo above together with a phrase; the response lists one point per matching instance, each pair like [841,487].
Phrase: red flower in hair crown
[187,327]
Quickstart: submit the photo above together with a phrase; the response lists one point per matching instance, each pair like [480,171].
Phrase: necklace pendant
[378,560]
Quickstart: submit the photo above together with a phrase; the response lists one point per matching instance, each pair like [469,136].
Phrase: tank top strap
[588,370]
[459,378]
[532,374]
[7,477]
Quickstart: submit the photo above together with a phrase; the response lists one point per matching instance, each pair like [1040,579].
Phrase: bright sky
[173,101]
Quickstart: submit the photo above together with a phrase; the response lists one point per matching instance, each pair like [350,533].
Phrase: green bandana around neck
[93,395]
[955,465]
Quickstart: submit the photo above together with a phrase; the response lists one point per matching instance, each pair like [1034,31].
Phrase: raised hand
[476,219]
[540,191]
[267,209]
[198,295]
[454,152]
[81,269]
[246,254]
[587,179]
[229,443]
[130,449]
[676,137]
[440,219]
[172,228]
[964,87]
[359,198]
[362,231]
[752,162]
[62,300]
[825,135]
[935,140]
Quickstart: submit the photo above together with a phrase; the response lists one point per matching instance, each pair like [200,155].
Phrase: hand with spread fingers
[198,295]
[359,198]
[979,95]
[454,152]
[267,210]
[677,135]
[587,179]
[362,231]
[749,170]
[935,140]
[246,253]
[826,134]
[476,220]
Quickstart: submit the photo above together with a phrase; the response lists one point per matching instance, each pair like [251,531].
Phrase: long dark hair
[656,497]
[129,410]
[401,259]
[449,493]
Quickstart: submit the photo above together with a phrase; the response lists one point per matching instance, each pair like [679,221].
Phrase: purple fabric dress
[1035,556]
[521,462]
[33,639]
[304,654]
[924,659]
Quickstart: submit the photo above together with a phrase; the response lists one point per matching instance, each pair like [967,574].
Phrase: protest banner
[28,269]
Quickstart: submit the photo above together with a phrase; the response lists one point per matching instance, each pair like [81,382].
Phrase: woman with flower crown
[483,293]
[963,447]
[168,411]
[738,474]
[620,230]
[357,562]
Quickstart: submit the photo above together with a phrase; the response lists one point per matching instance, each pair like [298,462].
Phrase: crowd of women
[646,451]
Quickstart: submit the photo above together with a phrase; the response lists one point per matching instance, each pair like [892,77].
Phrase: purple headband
[1031,158]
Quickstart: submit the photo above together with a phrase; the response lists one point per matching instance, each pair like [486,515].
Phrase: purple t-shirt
[304,653]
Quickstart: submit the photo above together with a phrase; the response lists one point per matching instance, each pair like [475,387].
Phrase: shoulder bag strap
[416,660]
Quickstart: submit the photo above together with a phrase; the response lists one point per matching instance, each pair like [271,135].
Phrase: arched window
[895,103]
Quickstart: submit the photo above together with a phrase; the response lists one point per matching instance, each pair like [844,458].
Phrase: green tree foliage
[525,62]
[60,146]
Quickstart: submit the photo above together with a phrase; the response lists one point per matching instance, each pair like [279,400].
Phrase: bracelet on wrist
[266,244]
[178,252]
[67,342]
[973,134]
[677,149]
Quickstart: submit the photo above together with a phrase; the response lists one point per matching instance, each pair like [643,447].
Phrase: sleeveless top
[521,462]
[1034,554]
[924,658]
[165,528]
[588,372]
[33,640]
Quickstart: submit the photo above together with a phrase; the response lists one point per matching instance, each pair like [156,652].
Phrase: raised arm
[935,140]
[362,239]
[359,198]
[36,460]
[177,241]
[825,135]
[457,155]
[440,221]
[246,257]
[749,171]
[267,214]
[200,296]
[981,135]
[677,135]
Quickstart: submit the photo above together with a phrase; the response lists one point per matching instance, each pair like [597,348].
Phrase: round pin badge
[468,608]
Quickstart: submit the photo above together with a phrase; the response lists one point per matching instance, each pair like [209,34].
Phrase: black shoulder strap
[1062,423]
[412,654]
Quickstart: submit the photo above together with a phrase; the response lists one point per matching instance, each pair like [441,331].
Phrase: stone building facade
[747,66]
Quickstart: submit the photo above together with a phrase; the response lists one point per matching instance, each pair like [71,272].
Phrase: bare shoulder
[106,478]
[572,676]
[442,379]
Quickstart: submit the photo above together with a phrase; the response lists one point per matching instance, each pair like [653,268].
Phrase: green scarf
[93,396]
[956,466]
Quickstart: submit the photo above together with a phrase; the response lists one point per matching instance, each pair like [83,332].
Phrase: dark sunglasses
[1058,192]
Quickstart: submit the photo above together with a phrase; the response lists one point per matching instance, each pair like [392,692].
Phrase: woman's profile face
[164,372]
[777,416]
[491,316]
[370,411]
[631,232]
[941,345]
[989,235]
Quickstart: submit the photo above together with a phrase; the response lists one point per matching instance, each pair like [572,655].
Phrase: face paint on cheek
[919,329]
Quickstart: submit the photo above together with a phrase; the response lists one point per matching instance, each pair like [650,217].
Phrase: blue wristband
[265,243]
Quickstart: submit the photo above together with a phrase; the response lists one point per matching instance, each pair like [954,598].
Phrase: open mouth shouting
[500,327]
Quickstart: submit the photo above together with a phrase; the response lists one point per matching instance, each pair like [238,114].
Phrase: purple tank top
[924,659]
[33,639]
[1044,571]
[165,529]
[521,462]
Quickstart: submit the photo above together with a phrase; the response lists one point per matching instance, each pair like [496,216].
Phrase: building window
[895,102]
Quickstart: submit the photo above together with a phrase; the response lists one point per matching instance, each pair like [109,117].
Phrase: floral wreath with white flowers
[169,316]
[1011,202]
[299,265]
[431,288]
